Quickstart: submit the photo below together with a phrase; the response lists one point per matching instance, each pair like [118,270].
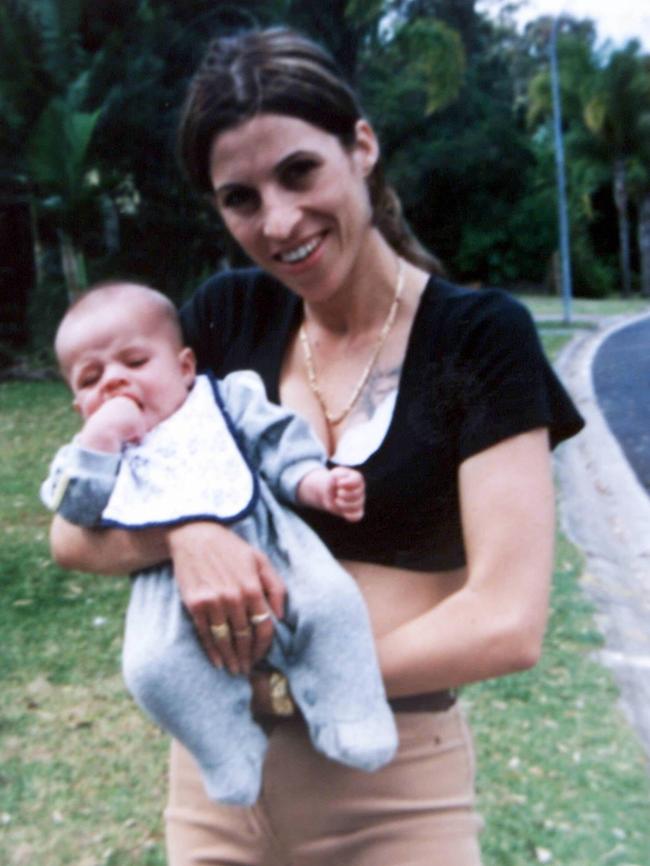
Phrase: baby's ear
[75,405]
[187,361]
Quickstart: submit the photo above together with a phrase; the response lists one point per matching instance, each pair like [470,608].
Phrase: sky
[617,20]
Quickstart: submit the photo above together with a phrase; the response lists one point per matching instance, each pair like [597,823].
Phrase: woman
[440,395]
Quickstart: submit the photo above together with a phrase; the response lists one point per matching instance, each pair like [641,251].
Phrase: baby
[161,445]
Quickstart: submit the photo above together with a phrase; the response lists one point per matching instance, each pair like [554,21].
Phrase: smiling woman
[299,205]
[439,395]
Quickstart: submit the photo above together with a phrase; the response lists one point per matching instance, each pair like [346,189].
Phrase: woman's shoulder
[236,301]
[238,318]
[455,314]
[453,299]
[232,284]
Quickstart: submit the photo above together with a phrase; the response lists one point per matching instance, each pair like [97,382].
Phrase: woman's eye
[299,170]
[236,199]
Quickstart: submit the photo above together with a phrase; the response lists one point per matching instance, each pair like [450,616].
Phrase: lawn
[562,780]
[82,774]
[551,306]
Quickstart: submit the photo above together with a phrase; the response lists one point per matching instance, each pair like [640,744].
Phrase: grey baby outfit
[225,455]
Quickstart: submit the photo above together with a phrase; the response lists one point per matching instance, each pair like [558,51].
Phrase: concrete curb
[606,512]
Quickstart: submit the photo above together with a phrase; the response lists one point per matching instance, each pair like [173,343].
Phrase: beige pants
[417,811]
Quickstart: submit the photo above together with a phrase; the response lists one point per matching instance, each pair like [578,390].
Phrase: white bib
[189,466]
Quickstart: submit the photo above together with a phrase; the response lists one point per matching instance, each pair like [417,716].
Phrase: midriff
[395,595]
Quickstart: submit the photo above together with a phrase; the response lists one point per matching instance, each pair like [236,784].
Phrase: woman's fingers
[211,640]
[274,589]
[262,627]
[225,582]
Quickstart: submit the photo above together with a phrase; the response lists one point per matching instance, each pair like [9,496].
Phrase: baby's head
[124,339]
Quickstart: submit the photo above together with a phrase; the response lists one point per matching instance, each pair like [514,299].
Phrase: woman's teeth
[300,252]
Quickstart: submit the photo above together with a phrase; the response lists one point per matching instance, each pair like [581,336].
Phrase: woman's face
[295,200]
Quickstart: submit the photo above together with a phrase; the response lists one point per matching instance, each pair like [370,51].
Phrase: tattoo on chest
[381,382]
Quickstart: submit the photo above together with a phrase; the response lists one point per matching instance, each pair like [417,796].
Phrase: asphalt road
[621,374]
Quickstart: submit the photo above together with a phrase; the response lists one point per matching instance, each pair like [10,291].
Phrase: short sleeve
[508,386]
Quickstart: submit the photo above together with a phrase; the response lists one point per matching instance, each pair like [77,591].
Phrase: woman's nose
[281,216]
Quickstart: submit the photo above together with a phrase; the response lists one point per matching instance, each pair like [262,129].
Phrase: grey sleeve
[280,443]
[79,484]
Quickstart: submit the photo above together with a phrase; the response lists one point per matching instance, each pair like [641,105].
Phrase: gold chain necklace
[381,339]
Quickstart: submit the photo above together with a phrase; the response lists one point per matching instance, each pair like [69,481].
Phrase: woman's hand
[230,590]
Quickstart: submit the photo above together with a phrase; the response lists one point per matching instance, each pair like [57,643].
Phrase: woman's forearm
[106,551]
[465,639]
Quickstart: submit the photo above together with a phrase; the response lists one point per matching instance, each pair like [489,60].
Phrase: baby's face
[125,350]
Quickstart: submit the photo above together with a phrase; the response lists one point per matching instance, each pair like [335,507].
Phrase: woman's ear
[187,361]
[366,146]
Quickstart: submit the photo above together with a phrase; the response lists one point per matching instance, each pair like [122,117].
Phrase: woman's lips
[301,253]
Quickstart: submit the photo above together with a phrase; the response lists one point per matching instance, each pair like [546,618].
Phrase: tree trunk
[644,243]
[73,264]
[621,202]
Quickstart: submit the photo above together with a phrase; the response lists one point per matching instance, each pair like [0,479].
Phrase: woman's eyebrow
[228,185]
[290,157]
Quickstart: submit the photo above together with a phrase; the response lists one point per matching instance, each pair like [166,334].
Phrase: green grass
[560,773]
[551,305]
[82,773]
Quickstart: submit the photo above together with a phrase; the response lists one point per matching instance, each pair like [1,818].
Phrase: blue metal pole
[563,221]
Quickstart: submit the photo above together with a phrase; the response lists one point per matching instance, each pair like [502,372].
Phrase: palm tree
[620,95]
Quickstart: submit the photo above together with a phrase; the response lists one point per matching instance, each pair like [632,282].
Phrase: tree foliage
[90,92]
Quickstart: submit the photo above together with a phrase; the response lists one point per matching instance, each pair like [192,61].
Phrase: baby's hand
[341,491]
[347,493]
[116,422]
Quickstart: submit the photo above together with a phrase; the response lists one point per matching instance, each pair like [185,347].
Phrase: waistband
[429,702]
[435,702]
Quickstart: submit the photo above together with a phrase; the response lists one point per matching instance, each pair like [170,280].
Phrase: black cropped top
[474,373]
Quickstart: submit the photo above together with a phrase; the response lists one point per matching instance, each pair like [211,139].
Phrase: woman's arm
[106,551]
[221,579]
[495,624]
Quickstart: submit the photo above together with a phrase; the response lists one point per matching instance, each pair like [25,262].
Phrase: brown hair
[279,71]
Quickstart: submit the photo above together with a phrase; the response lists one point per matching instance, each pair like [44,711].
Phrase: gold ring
[243,632]
[221,631]
[259,618]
